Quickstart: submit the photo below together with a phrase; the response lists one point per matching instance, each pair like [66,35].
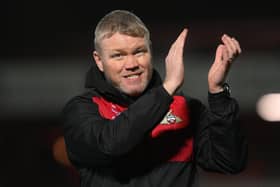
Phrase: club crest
[170,118]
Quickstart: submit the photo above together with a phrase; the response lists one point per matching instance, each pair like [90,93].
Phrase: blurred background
[46,50]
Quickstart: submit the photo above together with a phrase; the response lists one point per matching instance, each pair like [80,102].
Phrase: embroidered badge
[170,118]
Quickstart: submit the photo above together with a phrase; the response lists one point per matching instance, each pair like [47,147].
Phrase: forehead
[123,42]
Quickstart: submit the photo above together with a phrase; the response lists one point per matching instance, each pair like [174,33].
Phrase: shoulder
[195,105]
[191,101]
[83,98]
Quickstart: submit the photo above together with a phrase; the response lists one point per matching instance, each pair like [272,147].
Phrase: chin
[134,92]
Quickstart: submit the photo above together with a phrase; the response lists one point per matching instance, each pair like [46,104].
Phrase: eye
[117,56]
[140,52]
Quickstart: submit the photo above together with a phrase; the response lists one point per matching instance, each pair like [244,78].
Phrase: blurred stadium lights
[268,107]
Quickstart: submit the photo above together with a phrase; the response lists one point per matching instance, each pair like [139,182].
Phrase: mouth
[132,76]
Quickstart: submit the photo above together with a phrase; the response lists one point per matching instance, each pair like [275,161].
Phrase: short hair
[122,21]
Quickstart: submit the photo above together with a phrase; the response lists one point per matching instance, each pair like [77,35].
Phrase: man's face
[125,62]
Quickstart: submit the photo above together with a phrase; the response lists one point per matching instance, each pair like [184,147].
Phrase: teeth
[132,76]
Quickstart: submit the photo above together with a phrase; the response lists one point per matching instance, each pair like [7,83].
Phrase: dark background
[46,48]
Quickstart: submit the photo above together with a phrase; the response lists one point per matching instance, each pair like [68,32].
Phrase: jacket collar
[95,80]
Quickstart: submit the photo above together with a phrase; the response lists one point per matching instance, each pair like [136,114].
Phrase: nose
[131,63]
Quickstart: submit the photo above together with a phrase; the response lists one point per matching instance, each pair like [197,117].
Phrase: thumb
[219,53]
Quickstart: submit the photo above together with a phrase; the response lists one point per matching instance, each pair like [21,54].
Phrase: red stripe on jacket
[176,119]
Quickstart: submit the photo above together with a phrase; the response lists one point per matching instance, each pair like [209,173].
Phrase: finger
[237,45]
[234,45]
[226,55]
[178,46]
[218,58]
[180,41]
[219,53]
[229,44]
[182,38]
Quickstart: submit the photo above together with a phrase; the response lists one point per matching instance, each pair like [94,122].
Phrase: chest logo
[170,118]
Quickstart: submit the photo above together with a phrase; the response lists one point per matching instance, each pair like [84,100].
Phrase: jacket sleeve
[220,145]
[95,141]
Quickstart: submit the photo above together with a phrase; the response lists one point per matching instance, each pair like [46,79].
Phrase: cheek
[112,72]
[146,62]
[148,66]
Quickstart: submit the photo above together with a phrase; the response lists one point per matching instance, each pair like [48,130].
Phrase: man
[132,129]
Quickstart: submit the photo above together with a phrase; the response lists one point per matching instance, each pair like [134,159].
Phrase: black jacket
[119,141]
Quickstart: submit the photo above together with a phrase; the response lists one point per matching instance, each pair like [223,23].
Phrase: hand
[226,53]
[174,76]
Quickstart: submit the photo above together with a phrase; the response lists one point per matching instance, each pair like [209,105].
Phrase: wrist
[218,89]
[169,88]
[215,89]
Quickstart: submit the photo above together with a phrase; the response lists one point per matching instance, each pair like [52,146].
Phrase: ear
[98,60]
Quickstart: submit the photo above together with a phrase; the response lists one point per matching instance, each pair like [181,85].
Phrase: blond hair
[121,21]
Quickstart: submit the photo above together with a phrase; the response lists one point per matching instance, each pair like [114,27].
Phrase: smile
[133,76]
